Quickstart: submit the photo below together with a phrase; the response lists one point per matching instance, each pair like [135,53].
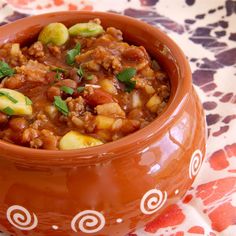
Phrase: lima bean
[76,140]
[55,33]
[15,101]
[89,29]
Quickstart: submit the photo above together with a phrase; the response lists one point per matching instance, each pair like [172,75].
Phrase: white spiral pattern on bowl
[152,201]
[195,163]
[88,221]
[21,218]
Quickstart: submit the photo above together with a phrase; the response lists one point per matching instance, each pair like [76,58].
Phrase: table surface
[206,32]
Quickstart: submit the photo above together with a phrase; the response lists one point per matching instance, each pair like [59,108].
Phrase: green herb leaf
[6,94]
[80,72]
[58,69]
[90,77]
[28,101]
[125,77]
[67,90]
[8,111]
[80,89]
[61,105]
[78,47]
[5,70]
[71,54]
[58,76]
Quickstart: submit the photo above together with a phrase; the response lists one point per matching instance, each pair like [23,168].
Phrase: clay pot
[112,189]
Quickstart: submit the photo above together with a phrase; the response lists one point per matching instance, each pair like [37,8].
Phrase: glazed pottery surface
[114,188]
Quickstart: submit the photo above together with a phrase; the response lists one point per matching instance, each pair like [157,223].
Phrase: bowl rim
[93,155]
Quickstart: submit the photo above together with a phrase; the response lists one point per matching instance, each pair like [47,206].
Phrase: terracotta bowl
[112,189]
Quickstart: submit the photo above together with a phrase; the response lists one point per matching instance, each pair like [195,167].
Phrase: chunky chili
[77,87]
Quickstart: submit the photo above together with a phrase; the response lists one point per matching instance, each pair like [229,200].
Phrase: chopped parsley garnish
[80,72]
[80,89]
[67,90]
[6,94]
[58,71]
[58,76]
[125,77]
[28,101]
[8,111]
[61,105]
[90,77]
[71,54]
[5,70]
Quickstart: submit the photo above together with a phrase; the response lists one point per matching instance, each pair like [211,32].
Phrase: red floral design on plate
[219,159]
[215,190]
[223,216]
[196,230]
[172,216]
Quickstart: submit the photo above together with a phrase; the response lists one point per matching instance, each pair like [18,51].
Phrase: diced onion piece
[117,124]
[55,33]
[108,86]
[136,100]
[15,49]
[93,85]
[20,107]
[153,103]
[112,109]
[89,29]
[149,89]
[76,140]
[104,122]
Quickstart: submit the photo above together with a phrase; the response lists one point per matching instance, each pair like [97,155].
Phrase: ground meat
[36,50]
[96,21]
[33,71]
[12,54]
[92,66]
[141,82]
[29,134]
[76,106]
[36,143]
[109,90]
[84,57]
[89,123]
[117,34]
[40,121]
[54,50]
